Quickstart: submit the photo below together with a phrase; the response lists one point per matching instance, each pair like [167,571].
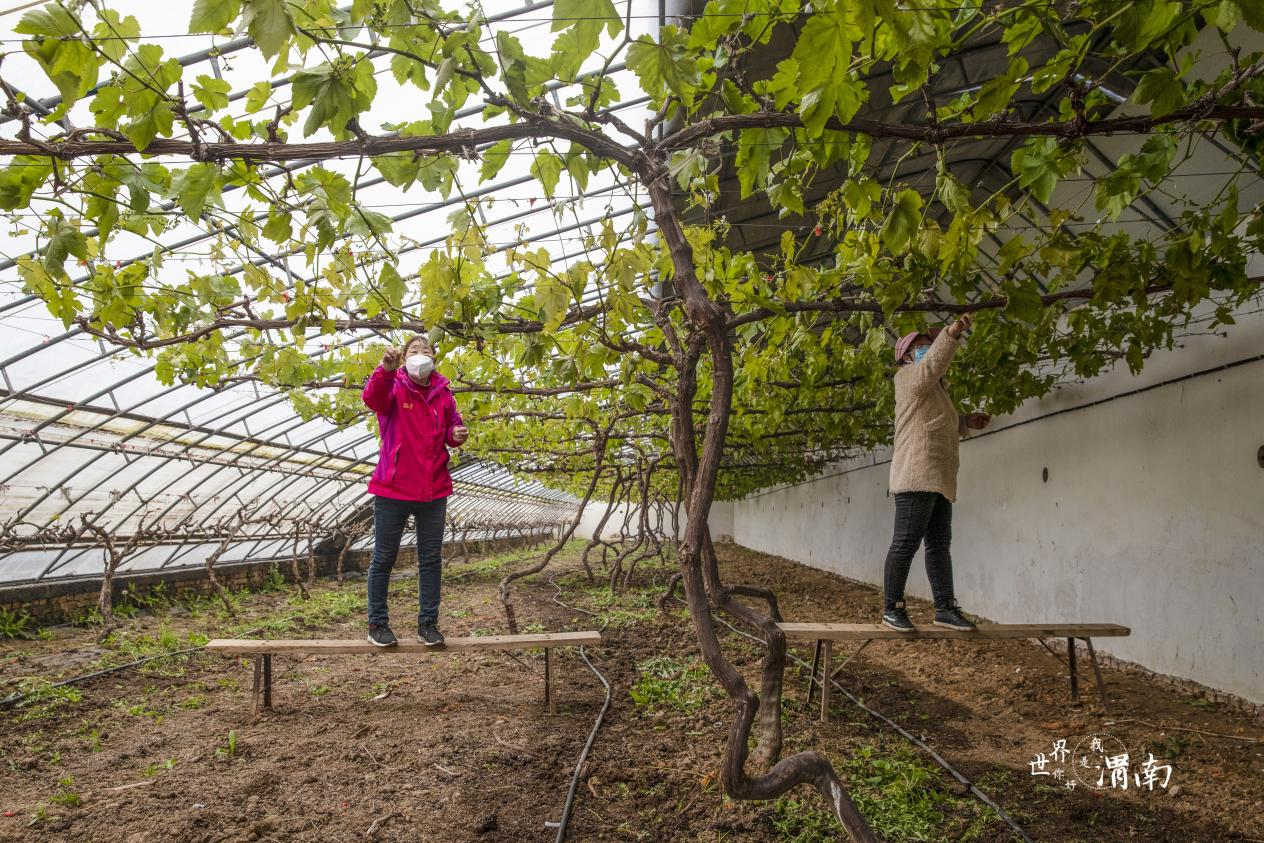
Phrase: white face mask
[419,366]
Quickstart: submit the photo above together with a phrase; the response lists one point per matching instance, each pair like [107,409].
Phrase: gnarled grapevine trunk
[700,473]
[601,525]
[646,534]
[114,558]
[354,532]
[211,559]
[299,579]
[599,452]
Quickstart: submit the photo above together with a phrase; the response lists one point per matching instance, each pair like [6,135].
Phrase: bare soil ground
[458,747]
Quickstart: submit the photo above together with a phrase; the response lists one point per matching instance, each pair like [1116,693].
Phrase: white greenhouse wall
[595,509]
[1152,515]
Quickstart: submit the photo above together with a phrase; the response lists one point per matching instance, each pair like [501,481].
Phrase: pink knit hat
[906,341]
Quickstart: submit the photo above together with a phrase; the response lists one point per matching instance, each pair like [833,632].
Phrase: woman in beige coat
[924,473]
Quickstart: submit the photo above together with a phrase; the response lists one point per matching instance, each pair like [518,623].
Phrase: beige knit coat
[927,427]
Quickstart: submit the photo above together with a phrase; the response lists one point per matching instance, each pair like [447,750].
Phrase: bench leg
[816,663]
[862,646]
[1049,650]
[256,688]
[826,663]
[1075,679]
[550,696]
[267,681]
[1097,674]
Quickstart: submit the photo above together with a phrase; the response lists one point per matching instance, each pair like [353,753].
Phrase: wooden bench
[825,634]
[262,652]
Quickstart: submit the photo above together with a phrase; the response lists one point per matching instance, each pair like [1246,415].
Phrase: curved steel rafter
[223,430]
[320,476]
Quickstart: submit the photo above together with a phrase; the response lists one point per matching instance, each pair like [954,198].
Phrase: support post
[267,681]
[826,665]
[1097,674]
[256,687]
[816,663]
[1075,679]
[550,696]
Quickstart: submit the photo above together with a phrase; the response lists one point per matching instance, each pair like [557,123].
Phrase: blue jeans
[389,518]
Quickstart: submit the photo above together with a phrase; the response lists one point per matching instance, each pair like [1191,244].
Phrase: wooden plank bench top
[871,631]
[262,650]
[251,646]
[825,634]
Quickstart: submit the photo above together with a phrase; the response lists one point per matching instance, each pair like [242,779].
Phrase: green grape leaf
[754,154]
[278,227]
[1038,167]
[24,175]
[64,240]
[70,64]
[1252,12]
[547,167]
[157,121]
[513,66]
[336,94]
[269,23]
[1162,90]
[257,96]
[494,158]
[568,13]
[196,187]
[212,93]
[213,15]
[903,221]
[665,66]
[392,287]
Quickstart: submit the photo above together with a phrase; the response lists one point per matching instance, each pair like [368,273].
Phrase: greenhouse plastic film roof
[86,428]
[90,428]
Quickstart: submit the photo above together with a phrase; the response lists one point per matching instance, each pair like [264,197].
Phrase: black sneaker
[429,634]
[380,635]
[953,618]
[896,618]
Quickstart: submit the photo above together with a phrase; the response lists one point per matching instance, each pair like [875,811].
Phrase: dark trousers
[920,516]
[389,518]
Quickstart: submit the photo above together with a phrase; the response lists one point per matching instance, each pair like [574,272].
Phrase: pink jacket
[415,425]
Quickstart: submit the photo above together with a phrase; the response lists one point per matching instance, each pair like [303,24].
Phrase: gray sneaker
[428,633]
[952,617]
[896,618]
[380,635]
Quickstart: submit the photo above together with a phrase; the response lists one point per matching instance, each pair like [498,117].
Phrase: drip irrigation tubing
[939,759]
[14,699]
[592,735]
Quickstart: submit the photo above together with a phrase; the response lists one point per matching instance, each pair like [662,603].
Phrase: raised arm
[932,367]
[939,356]
[377,391]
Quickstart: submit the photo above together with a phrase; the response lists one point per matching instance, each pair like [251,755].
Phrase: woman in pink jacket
[418,421]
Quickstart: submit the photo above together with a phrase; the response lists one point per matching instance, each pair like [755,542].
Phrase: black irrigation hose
[980,795]
[592,735]
[14,699]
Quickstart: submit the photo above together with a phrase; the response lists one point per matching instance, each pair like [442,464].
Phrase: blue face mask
[920,352]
